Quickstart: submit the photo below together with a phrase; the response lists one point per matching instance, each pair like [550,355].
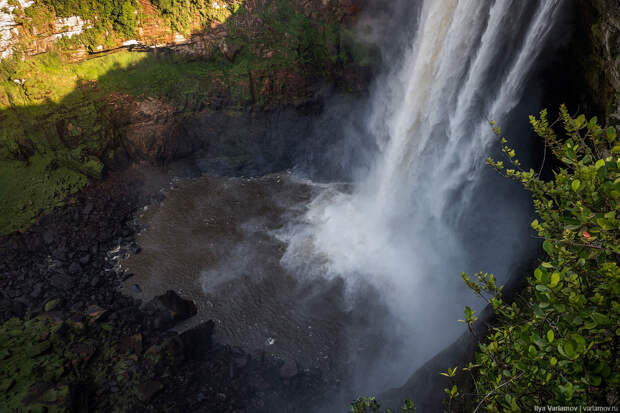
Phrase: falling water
[400,229]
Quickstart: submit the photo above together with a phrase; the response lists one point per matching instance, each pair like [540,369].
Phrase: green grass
[42,359]
[27,358]
[56,129]
[26,190]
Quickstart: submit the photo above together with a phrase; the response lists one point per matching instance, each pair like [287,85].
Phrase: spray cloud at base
[426,208]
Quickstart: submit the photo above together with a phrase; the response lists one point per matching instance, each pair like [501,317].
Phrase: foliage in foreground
[371,405]
[557,343]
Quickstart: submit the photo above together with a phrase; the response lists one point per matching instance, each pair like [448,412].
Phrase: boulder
[197,341]
[168,309]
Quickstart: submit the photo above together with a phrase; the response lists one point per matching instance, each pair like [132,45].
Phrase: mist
[422,206]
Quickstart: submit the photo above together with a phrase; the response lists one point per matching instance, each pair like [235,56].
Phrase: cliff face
[82,91]
[598,44]
[607,41]
[196,29]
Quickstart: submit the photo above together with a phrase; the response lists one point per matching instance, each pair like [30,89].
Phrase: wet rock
[75,268]
[85,259]
[135,248]
[198,340]
[95,281]
[48,237]
[88,208]
[61,281]
[169,308]
[60,254]
[37,290]
[149,389]
[136,289]
[288,370]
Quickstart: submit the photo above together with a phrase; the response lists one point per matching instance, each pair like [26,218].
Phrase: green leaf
[567,349]
[600,319]
[575,185]
[548,246]
[469,315]
[555,279]
[579,341]
[550,336]
[538,274]
[580,121]
[599,164]
[610,134]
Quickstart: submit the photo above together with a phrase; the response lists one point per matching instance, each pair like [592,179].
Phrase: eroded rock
[169,308]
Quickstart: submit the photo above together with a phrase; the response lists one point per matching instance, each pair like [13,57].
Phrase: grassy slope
[55,131]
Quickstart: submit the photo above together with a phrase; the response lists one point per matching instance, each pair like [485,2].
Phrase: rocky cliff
[607,45]
[80,29]
[82,92]
[598,55]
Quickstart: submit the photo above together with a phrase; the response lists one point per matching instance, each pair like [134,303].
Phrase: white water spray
[400,229]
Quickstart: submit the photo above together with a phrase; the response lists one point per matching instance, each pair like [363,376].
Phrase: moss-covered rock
[61,123]
[48,365]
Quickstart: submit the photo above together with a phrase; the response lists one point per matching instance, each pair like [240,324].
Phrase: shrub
[557,343]
[371,405]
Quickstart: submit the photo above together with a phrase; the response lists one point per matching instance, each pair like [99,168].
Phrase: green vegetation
[557,343]
[371,405]
[54,133]
[185,14]
[107,20]
[49,366]
[58,128]
[28,356]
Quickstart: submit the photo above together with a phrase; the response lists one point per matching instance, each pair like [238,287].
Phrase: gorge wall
[75,102]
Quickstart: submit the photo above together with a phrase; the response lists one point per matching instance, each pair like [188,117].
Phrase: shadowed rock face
[169,308]
[153,134]
[606,42]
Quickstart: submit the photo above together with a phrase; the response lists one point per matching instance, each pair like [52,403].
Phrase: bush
[557,343]
[371,405]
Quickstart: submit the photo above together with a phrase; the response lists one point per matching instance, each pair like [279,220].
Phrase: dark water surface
[213,239]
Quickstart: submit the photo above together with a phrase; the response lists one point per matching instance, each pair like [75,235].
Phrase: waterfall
[401,228]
